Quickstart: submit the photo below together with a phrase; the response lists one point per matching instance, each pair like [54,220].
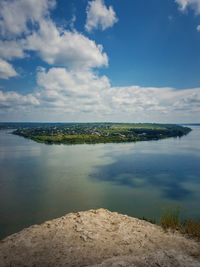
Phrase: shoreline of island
[95,133]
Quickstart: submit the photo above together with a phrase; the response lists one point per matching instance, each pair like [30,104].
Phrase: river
[39,182]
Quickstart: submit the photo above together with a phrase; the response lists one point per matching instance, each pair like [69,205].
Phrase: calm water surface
[40,182]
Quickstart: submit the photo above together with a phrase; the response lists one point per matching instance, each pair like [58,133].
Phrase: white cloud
[72,90]
[26,26]
[72,22]
[18,19]
[165,100]
[6,70]
[83,95]
[194,4]
[99,16]
[12,49]
[13,100]
[78,90]
[198,28]
[65,48]
[16,14]
[78,83]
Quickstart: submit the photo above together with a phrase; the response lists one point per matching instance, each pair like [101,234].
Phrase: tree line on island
[92,133]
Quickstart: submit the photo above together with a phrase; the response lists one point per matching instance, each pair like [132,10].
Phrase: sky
[100,60]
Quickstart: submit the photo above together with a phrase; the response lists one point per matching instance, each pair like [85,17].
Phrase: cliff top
[98,238]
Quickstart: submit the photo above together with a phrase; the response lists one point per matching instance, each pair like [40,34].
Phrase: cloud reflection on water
[166,172]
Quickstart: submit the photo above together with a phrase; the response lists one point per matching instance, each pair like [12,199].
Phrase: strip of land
[92,133]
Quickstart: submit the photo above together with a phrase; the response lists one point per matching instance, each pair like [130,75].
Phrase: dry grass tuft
[170,219]
[191,228]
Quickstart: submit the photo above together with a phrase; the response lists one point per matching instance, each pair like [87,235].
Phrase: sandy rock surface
[98,238]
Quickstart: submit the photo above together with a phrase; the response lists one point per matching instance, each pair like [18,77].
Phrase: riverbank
[98,238]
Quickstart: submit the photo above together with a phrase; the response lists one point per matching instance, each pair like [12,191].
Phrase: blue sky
[100,60]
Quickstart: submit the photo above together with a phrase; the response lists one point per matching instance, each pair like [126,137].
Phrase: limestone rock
[98,238]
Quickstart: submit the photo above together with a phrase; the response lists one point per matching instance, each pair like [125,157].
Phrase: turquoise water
[40,182]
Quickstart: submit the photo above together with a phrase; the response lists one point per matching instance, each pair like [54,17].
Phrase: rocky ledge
[98,238]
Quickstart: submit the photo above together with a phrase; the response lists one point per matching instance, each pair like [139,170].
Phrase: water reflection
[166,171]
[40,182]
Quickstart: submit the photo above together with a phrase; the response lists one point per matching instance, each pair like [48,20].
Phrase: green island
[92,133]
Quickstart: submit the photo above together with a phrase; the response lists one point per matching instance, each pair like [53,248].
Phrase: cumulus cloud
[6,70]
[13,100]
[78,91]
[72,87]
[26,26]
[74,92]
[72,82]
[19,19]
[65,48]
[184,4]
[16,14]
[99,16]
[198,28]
[12,49]
[165,100]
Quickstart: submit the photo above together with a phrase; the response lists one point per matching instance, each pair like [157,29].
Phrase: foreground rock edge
[98,238]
